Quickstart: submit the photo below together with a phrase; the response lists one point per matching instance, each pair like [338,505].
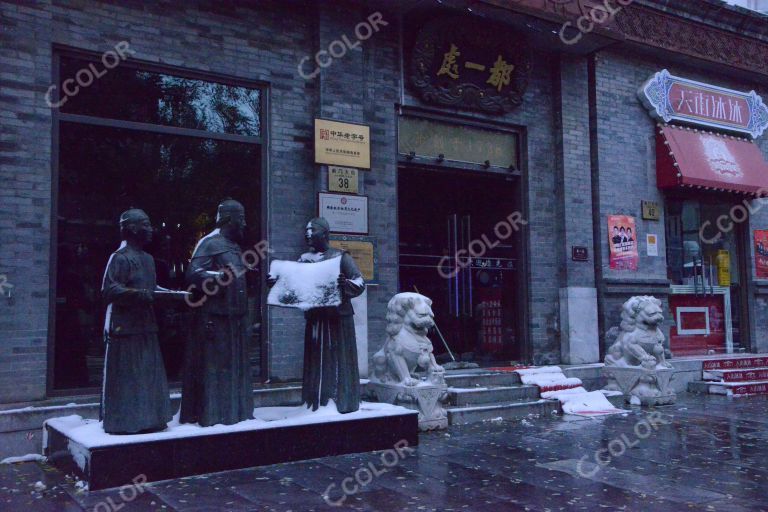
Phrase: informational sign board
[652,244]
[761,253]
[342,179]
[363,251]
[622,241]
[345,213]
[651,210]
[344,144]
[579,253]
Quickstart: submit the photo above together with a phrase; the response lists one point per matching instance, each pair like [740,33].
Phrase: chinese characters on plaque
[345,213]
[499,74]
[672,98]
[460,63]
[344,144]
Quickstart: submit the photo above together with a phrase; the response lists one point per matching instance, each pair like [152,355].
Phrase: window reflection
[178,181]
[131,94]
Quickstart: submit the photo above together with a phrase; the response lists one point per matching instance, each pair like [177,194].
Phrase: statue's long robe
[330,348]
[217,385]
[135,390]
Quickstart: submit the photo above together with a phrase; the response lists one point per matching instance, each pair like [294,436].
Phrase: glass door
[451,251]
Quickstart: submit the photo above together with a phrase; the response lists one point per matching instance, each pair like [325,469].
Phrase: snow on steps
[569,391]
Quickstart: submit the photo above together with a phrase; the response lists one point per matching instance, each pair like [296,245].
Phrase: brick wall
[627,166]
[217,37]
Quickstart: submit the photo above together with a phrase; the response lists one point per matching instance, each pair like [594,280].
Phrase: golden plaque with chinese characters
[463,63]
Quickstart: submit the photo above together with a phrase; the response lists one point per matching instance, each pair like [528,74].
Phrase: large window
[171,145]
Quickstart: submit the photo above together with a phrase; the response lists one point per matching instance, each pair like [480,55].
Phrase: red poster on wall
[622,241]
[761,253]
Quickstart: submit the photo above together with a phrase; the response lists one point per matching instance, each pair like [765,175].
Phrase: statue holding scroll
[330,349]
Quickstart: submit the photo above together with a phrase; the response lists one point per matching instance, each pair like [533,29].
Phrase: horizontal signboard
[671,98]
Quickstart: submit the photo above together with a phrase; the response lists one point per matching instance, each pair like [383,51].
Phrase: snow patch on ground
[23,458]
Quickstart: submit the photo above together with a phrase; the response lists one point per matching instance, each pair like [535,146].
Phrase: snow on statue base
[275,435]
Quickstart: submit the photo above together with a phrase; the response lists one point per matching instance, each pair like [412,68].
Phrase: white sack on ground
[305,285]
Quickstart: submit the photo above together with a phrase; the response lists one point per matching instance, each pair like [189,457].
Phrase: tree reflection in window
[131,94]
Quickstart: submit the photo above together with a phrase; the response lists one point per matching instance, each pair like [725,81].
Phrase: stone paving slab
[708,454]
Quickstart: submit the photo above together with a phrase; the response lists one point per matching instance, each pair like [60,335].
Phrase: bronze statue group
[216,382]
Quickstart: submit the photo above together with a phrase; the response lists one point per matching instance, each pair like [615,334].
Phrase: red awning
[687,157]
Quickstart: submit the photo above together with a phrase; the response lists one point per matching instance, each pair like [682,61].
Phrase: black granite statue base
[103,464]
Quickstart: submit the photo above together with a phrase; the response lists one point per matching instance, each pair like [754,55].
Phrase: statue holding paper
[323,290]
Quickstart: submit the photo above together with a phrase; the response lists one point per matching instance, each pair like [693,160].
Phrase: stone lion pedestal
[425,398]
[394,377]
[641,386]
[635,362]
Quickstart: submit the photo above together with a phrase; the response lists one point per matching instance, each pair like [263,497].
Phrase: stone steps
[733,376]
[731,389]
[462,415]
[491,394]
[735,363]
[471,379]
[745,375]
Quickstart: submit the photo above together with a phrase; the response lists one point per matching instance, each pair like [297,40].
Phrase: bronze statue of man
[135,389]
[217,386]
[330,349]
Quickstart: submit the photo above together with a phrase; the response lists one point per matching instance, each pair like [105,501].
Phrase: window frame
[57,117]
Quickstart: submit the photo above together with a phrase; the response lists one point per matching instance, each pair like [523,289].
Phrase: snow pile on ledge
[548,378]
[90,433]
[23,458]
[568,390]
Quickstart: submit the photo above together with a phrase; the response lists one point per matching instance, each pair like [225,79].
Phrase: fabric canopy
[687,157]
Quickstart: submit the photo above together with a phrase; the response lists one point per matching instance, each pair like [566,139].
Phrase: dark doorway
[460,246]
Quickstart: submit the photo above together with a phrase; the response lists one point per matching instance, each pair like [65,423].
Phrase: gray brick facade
[583,162]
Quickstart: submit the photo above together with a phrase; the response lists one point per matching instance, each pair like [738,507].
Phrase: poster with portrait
[761,253]
[622,242]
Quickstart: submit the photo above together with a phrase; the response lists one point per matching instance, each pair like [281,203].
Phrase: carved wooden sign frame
[462,63]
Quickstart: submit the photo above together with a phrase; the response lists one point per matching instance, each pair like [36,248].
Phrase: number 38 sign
[342,179]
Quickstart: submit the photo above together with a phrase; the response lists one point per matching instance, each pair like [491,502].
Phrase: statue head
[230,219]
[135,227]
[410,310]
[641,312]
[317,234]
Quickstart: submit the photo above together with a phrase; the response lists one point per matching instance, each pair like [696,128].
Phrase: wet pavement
[704,453]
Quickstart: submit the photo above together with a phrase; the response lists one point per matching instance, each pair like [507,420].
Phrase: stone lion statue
[640,342]
[409,318]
